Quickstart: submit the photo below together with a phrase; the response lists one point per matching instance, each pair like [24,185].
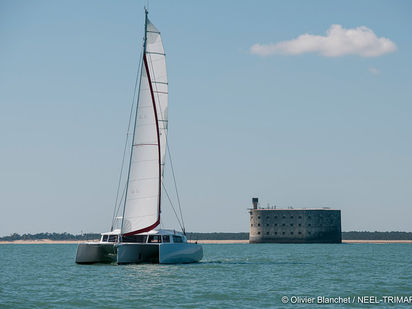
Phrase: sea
[229,276]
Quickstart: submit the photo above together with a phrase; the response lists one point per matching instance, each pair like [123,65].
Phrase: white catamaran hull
[159,253]
[88,253]
[132,253]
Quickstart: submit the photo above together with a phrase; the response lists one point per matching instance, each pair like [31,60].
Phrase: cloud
[337,42]
[374,71]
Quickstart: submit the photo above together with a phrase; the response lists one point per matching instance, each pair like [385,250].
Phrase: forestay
[143,195]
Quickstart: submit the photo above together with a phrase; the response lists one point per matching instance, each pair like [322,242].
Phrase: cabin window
[177,238]
[166,238]
[105,238]
[155,238]
[135,238]
[112,238]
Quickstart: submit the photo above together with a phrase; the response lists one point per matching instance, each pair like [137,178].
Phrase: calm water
[230,276]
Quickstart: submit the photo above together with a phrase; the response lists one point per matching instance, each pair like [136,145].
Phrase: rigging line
[127,139]
[169,154]
[176,190]
[170,201]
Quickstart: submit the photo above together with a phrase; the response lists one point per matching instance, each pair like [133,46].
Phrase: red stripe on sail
[151,227]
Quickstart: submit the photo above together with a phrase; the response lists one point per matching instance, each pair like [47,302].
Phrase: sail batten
[143,194]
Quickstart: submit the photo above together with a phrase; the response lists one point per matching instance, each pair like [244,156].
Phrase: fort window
[309,224]
[291,233]
[284,217]
[300,217]
[300,224]
[276,217]
[276,233]
[283,233]
[267,217]
[291,217]
[309,233]
[251,225]
[291,224]
[267,233]
[258,233]
[300,233]
[283,224]
[276,224]
[308,217]
[259,224]
[258,217]
[267,224]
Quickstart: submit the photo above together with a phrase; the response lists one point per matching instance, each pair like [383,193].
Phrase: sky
[299,103]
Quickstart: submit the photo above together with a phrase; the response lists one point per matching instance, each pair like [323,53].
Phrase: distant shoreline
[203,241]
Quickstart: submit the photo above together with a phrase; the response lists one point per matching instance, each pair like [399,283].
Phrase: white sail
[143,195]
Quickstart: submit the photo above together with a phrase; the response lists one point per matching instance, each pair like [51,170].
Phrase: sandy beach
[48,241]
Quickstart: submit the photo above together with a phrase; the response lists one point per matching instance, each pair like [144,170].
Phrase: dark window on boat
[134,238]
[177,238]
[105,238]
[155,238]
[166,238]
[112,238]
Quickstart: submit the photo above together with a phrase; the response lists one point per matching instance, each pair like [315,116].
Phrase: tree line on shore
[352,235]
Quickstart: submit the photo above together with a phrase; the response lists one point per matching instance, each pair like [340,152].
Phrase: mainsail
[143,194]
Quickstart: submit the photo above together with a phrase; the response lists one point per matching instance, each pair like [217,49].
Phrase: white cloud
[337,42]
[374,71]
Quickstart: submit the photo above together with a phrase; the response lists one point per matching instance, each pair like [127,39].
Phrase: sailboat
[138,240]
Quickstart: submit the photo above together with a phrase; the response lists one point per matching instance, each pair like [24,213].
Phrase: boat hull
[88,253]
[174,253]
